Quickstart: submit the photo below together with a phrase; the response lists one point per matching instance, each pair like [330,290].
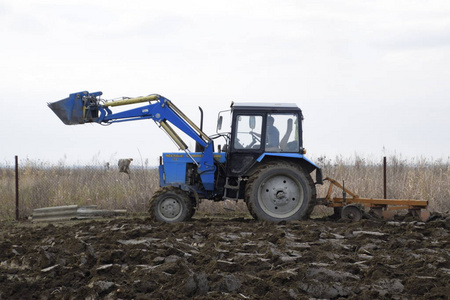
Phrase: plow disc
[352,213]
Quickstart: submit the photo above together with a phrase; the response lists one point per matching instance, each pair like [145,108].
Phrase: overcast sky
[372,77]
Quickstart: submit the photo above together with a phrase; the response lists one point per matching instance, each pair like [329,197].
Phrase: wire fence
[43,184]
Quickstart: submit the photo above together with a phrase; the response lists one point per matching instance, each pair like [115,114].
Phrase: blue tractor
[261,159]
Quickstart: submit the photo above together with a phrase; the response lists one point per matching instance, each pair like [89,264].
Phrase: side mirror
[219,123]
[252,122]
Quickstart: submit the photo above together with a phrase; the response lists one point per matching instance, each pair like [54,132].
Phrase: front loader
[262,159]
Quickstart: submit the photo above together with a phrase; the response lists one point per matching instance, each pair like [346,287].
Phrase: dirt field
[225,259]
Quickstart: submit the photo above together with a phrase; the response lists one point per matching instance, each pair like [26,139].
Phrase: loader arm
[84,107]
[161,111]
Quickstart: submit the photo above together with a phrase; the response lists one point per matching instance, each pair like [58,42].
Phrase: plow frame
[381,207]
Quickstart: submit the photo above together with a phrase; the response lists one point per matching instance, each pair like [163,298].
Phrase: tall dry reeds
[43,184]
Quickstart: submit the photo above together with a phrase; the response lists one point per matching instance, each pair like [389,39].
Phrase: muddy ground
[136,258]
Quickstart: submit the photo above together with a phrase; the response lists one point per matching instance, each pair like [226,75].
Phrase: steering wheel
[255,137]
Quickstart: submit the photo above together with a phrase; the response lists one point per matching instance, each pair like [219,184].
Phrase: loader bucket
[70,110]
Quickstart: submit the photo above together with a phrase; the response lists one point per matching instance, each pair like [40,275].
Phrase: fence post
[17,188]
[384,178]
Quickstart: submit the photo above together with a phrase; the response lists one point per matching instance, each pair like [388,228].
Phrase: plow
[353,207]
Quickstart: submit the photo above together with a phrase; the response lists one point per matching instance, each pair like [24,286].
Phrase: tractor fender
[305,163]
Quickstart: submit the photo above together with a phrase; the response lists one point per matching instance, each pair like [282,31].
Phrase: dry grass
[43,184]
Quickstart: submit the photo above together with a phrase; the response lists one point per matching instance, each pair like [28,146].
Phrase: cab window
[282,133]
[248,132]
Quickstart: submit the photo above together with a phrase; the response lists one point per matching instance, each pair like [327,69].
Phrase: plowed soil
[136,258]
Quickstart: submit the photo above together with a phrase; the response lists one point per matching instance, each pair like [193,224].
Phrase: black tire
[193,206]
[280,192]
[171,204]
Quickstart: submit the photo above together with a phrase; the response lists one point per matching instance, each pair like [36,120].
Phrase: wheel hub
[280,196]
[170,208]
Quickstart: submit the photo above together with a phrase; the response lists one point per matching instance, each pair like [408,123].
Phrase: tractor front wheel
[171,204]
[280,192]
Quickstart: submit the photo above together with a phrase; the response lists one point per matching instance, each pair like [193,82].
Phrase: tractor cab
[265,162]
[262,129]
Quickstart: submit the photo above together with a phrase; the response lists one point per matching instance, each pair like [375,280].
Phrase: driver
[272,134]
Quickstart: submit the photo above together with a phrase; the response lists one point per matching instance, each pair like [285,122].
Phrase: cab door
[247,142]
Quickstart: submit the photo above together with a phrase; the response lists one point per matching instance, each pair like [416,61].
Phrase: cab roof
[264,106]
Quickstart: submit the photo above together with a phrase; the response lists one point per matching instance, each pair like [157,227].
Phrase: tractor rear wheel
[280,192]
[171,204]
